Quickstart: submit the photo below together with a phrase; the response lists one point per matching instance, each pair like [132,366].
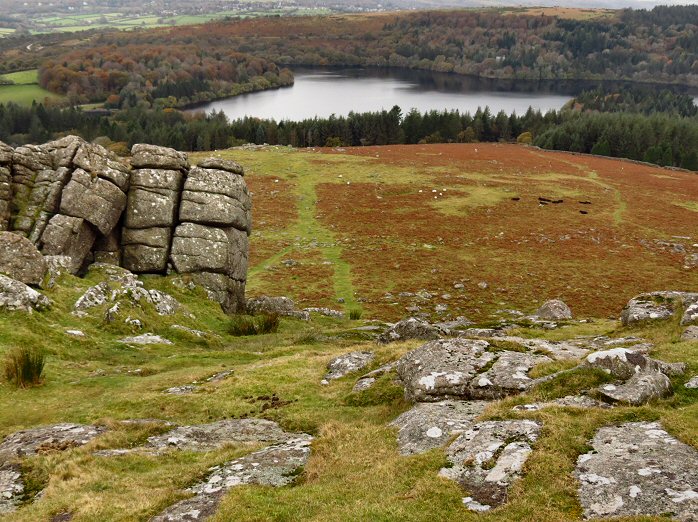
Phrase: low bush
[24,366]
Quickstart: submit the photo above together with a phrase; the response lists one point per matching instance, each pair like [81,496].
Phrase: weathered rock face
[657,306]
[431,425]
[638,469]
[272,305]
[623,363]
[20,260]
[76,199]
[273,466]
[690,334]
[411,328]
[17,296]
[348,363]
[465,369]
[640,389]
[47,438]
[11,488]
[488,458]
[554,310]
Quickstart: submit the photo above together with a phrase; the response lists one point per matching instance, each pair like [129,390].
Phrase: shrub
[355,314]
[24,366]
[243,325]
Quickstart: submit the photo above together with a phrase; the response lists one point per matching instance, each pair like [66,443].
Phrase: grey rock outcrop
[411,328]
[638,469]
[623,363]
[554,310]
[11,488]
[273,466]
[431,425]
[465,369]
[27,443]
[16,296]
[488,458]
[78,200]
[657,306]
[274,305]
[640,389]
[20,260]
[348,363]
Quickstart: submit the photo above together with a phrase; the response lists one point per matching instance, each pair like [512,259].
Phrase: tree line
[660,138]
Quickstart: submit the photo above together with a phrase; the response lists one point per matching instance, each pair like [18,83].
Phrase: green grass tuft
[24,366]
[245,325]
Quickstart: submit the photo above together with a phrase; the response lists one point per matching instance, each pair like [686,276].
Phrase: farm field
[379,226]
[25,89]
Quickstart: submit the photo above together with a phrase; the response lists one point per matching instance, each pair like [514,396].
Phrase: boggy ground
[405,219]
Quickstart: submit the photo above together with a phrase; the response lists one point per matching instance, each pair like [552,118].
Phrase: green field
[74,23]
[25,90]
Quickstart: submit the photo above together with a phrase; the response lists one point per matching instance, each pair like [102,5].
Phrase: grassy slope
[368,221]
[25,89]
[355,472]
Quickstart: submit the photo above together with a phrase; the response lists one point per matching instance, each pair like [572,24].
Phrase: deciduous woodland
[643,46]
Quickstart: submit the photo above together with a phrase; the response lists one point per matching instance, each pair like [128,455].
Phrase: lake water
[326,91]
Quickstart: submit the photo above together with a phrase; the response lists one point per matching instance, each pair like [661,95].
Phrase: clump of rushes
[243,325]
[24,366]
[355,314]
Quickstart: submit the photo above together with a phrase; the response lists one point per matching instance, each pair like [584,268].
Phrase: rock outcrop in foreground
[152,213]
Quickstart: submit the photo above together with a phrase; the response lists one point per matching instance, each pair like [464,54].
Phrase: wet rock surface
[638,469]
[488,458]
[273,466]
[431,425]
[348,363]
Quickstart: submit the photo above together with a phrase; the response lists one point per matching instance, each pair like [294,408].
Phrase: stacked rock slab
[211,241]
[153,204]
[78,201]
[5,185]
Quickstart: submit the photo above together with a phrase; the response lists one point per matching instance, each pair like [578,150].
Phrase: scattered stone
[182,390]
[191,331]
[489,457]
[690,334]
[483,285]
[554,310]
[623,363]
[411,328]
[145,339]
[348,363]
[16,296]
[327,312]
[692,384]
[640,389]
[455,326]
[273,466]
[220,376]
[75,333]
[431,425]
[638,469]
[59,437]
[480,333]
[20,260]
[367,381]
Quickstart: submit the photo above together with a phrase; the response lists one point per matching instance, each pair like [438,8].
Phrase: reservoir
[325,91]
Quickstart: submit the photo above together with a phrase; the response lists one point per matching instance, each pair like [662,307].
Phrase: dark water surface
[325,91]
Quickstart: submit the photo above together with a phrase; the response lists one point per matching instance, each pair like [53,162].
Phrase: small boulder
[623,363]
[272,305]
[348,363]
[554,310]
[690,334]
[145,339]
[20,259]
[411,328]
[16,296]
[657,306]
[640,389]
